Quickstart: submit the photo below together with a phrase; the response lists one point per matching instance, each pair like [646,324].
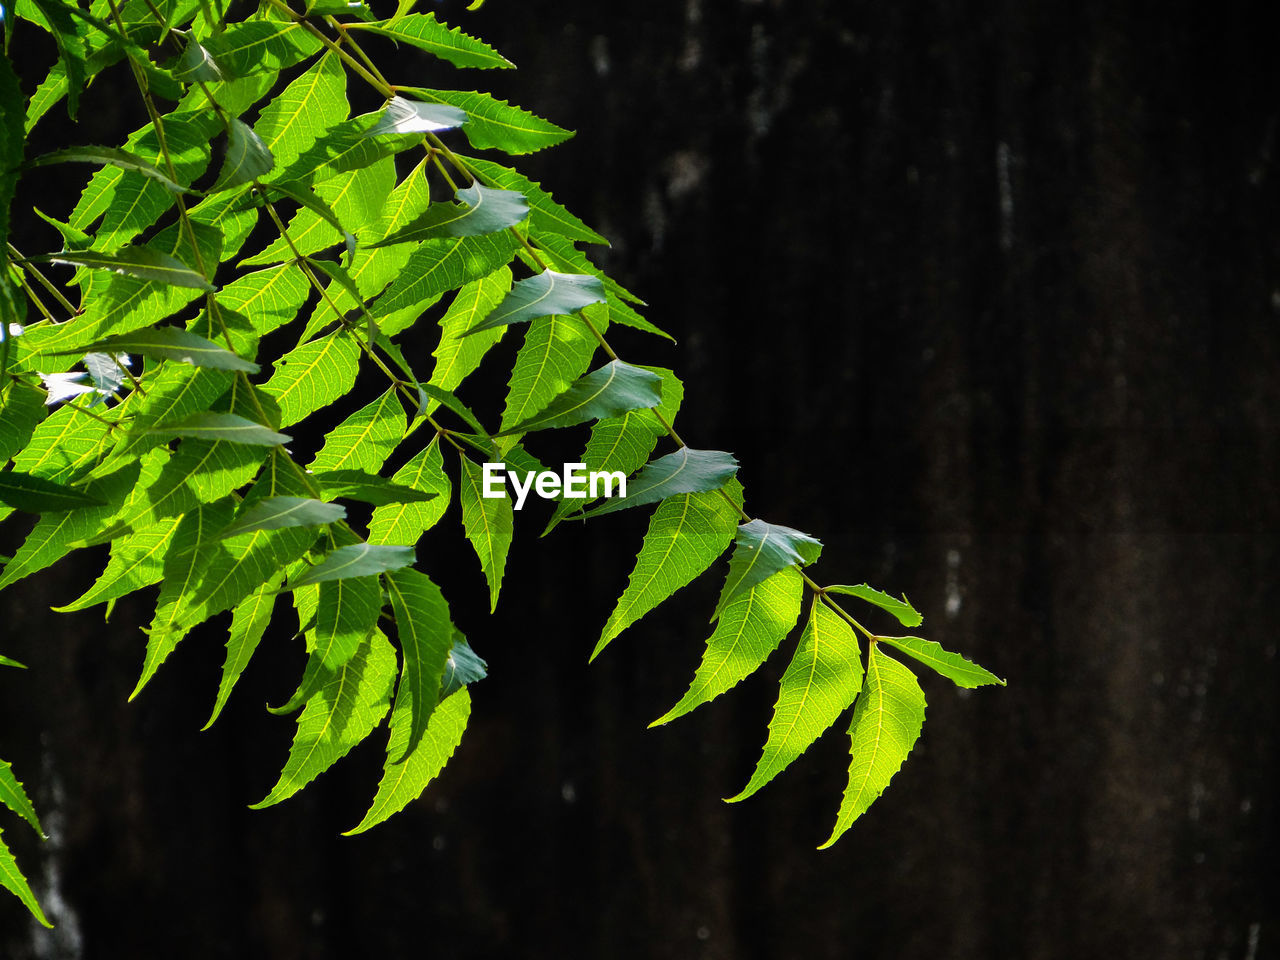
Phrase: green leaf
[268,298]
[886,724]
[21,409]
[56,18]
[957,669]
[750,628]
[541,296]
[489,523]
[344,708]
[461,667]
[482,210]
[406,522]
[13,880]
[426,635]
[610,391]
[556,351]
[823,678]
[907,615]
[170,343]
[686,534]
[248,623]
[405,116]
[257,46]
[312,376]
[365,439]
[358,485]
[38,495]
[108,155]
[423,31]
[13,796]
[222,426]
[403,781]
[495,124]
[137,561]
[141,262]
[355,560]
[247,157]
[196,64]
[310,105]
[761,550]
[685,471]
[273,513]
[339,8]
[10,662]
[456,357]
[545,215]
[439,266]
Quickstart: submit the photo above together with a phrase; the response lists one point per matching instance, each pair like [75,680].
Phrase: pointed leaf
[10,662]
[610,391]
[556,351]
[541,296]
[38,495]
[685,471]
[405,522]
[907,615]
[545,214]
[367,487]
[137,561]
[750,628]
[141,262]
[312,376]
[222,426]
[274,513]
[686,534]
[365,439]
[761,550]
[247,157]
[426,635]
[248,623]
[824,677]
[488,523]
[108,155]
[21,409]
[495,124]
[957,669]
[13,796]
[295,119]
[423,31]
[355,560]
[256,46]
[482,210]
[886,724]
[196,64]
[13,881]
[461,667]
[439,266]
[170,343]
[405,116]
[457,358]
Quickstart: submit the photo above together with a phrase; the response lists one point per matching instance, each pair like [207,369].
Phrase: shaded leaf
[456,358]
[685,471]
[488,523]
[38,495]
[556,351]
[249,622]
[482,210]
[543,295]
[610,391]
[405,116]
[171,343]
[222,426]
[439,266]
[141,262]
[358,485]
[108,155]
[304,110]
[273,513]
[545,215]
[426,634]
[355,560]
[247,157]
[461,667]
[762,549]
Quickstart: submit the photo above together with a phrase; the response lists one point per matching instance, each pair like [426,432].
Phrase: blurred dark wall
[983,295]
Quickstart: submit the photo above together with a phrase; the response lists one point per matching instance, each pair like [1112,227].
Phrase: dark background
[984,295]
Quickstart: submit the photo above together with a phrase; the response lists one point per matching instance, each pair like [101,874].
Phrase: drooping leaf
[488,522]
[610,391]
[762,549]
[750,628]
[906,614]
[886,724]
[267,298]
[403,781]
[823,678]
[247,157]
[358,485]
[355,560]
[10,662]
[957,669]
[137,561]
[274,513]
[438,266]
[108,155]
[686,534]
[685,471]
[13,880]
[456,358]
[57,19]
[170,343]
[541,296]
[141,262]
[424,31]
[229,427]
[249,622]
[196,64]
[38,495]
[257,46]
[345,706]
[556,351]
[559,252]
[461,667]
[545,215]
[304,110]
[481,210]
[406,522]
[14,796]
[426,635]
[405,116]
[495,124]
[365,439]
[21,409]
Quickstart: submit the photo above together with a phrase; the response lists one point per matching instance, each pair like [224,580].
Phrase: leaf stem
[44,281]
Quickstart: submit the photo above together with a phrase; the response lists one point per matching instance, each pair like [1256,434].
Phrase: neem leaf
[358,485]
[222,426]
[961,672]
[139,262]
[355,560]
[13,796]
[614,389]
[907,615]
[461,667]
[196,64]
[38,495]
[541,296]
[170,343]
[685,471]
[406,116]
[493,123]
[423,31]
[11,879]
[483,210]
[761,550]
[10,662]
[425,632]
[886,724]
[339,8]
[108,155]
[247,157]
[276,512]
[488,523]
[257,46]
